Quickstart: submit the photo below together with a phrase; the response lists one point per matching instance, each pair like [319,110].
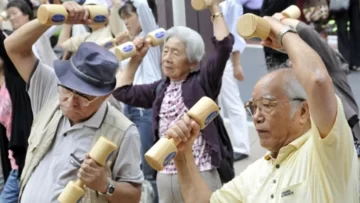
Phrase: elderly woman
[183,87]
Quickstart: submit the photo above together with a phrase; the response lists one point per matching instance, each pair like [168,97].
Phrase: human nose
[258,117]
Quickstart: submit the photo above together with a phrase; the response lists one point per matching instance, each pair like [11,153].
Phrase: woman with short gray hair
[183,86]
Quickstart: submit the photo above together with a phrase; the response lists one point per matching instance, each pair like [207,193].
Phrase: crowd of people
[59,97]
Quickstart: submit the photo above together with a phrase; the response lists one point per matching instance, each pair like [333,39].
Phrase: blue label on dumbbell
[108,44]
[109,157]
[58,18]
[99,19]
[169,158]
[210,117]
[160,35]
[128,48]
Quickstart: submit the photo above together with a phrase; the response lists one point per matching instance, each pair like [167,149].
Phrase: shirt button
[274,181]
[272,196]
[277,166]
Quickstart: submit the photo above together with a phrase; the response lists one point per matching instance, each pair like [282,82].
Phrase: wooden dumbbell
[100,153]
[201,4]
[3,15]
[54,14]
[108,43]
[203,112]
[128,49]
[251,26]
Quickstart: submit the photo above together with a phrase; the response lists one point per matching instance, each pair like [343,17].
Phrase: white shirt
[149,70]
[232,12]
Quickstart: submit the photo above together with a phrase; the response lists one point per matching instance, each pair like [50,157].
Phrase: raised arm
[212,71]
[313,39]
[135,95]
[19,47]
[146,18]
[115,22]
[311,72]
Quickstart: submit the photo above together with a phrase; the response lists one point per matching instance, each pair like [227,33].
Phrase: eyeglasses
[265,105]
[83,99]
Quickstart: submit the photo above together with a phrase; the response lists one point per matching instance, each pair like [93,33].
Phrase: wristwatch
[283,31]
[110,189]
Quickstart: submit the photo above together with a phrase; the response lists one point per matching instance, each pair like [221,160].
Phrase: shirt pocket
[69,170]
[297,193]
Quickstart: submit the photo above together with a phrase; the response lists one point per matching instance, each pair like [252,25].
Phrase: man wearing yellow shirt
[300,121]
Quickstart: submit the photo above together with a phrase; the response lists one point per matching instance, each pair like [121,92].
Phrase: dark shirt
[192,90]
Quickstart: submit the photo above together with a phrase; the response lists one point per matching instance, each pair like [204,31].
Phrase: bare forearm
[220,27]
[311,72]
[307,64]
[21,41]
[125,193]
[126,77]
[235,58]
[65,34]
[193,187]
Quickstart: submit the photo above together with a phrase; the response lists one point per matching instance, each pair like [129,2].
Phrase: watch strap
[109,190]
[283,31]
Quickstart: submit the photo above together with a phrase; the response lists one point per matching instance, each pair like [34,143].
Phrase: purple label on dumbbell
[108,44]
[169,158]
[99,19]
[58,18]
[160,35]
[210,117]
[128,48]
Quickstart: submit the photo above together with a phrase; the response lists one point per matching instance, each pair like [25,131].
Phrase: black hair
[129,6]
[23,6]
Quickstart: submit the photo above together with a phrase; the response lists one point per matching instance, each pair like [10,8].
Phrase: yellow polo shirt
[308,170]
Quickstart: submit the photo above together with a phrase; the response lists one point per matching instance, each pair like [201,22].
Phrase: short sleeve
[42,86]
[127,166]
[230,192]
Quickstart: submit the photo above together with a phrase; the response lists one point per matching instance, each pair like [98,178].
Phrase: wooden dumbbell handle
[251,26]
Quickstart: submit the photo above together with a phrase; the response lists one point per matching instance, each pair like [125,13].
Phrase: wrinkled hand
[275,27]
[93,175]
[238,72]
[142,47]
[122,37]
[77,14]
[186,131]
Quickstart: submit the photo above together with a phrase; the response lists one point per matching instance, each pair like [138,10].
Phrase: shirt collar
[286,150]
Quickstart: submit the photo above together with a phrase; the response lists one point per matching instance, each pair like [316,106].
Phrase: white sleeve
[235,11]
[146,17]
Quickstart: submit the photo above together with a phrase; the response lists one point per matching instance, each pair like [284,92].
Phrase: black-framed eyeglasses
[83,99]
[266,105]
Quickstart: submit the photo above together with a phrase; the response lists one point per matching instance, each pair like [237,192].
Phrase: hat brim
[68,78]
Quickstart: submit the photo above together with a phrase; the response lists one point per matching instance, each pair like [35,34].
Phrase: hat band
[89,78]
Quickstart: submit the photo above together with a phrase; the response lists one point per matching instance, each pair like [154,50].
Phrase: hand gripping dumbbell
[128,49]
[54,14]
[203,112]
[100,153]
[251,26]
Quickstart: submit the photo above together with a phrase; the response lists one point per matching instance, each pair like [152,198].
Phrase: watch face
[111,189]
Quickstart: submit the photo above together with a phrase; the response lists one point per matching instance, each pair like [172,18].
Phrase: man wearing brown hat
[71,113]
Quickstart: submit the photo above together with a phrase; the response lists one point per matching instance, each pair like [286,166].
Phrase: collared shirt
[58,167]
[232,11]
[310,169]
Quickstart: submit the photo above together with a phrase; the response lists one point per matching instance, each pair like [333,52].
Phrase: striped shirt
[172,109]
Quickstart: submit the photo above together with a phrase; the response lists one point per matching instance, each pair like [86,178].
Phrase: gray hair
[292,88]
[194,43]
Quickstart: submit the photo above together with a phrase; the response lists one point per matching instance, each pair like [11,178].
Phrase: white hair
[292,88]
[194,43]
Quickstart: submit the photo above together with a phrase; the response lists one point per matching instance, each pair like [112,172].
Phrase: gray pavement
[253,63]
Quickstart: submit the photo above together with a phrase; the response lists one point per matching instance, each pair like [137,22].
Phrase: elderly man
[68,101]
[301,122]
